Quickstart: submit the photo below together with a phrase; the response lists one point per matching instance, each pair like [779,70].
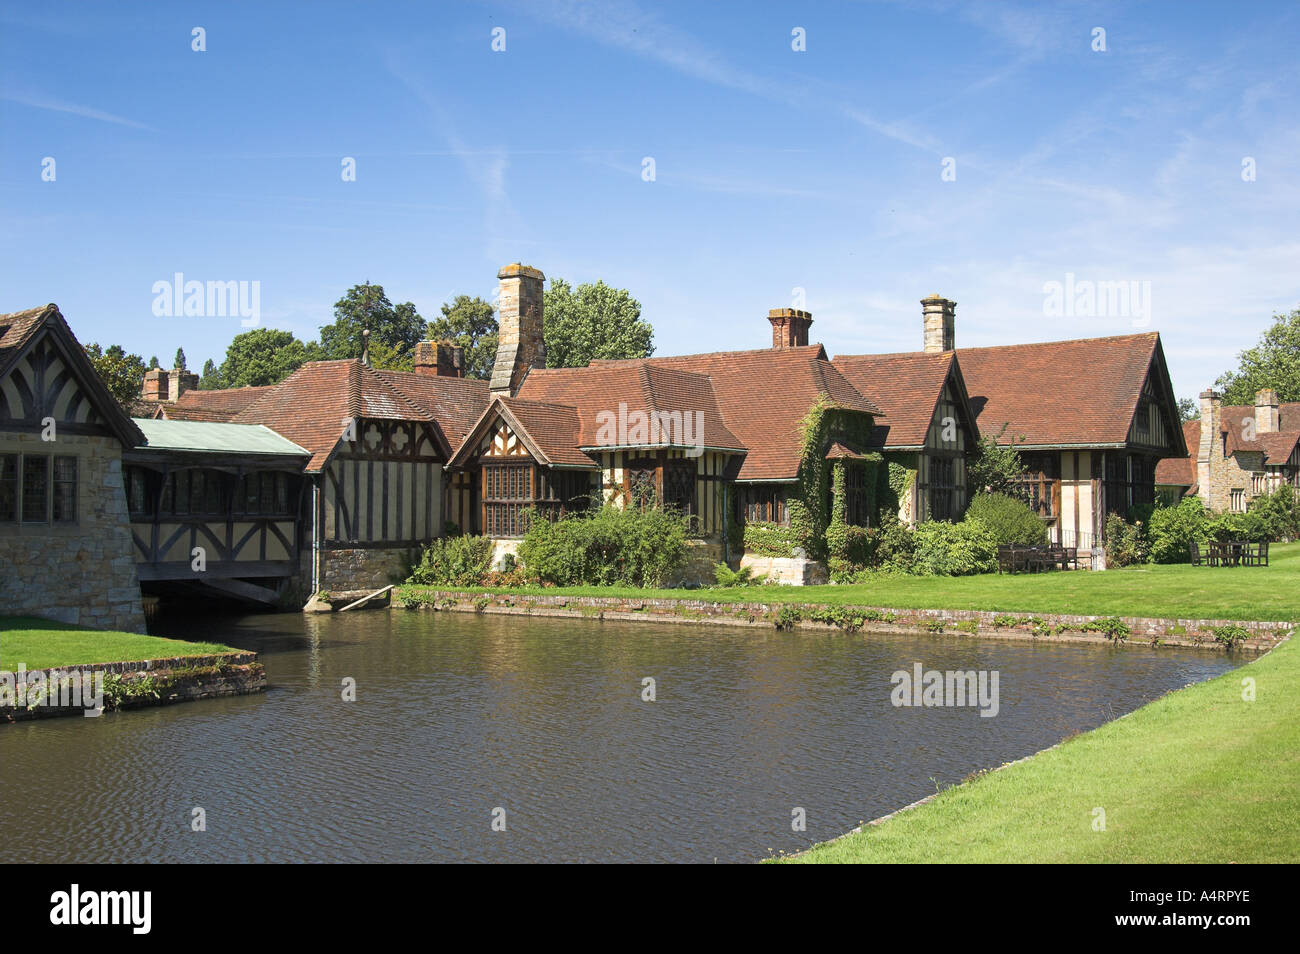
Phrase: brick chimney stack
[440,358]
[940,317]
[1266,411]
[179,381]
[789,327]
[520,346]
[155,385]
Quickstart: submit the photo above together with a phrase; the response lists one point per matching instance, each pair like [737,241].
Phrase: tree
[179,361]
[366,306]
[122,372]
[264,356]
[1273,363]
[1188,410]
[210,380]
[590,322]
[153,363]
[472,324]
[996,468]
[388,358]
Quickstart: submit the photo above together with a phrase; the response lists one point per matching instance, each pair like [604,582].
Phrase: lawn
[1178,591]
[43,644]
[1199,775]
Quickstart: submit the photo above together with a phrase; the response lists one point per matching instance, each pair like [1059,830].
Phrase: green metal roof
[199,436]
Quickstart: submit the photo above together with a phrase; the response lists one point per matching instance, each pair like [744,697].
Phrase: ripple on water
[457,715]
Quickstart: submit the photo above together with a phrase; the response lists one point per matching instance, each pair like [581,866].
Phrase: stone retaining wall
[1191,633]
[180,679]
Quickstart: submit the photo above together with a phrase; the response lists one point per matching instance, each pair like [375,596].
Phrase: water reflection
[458,714]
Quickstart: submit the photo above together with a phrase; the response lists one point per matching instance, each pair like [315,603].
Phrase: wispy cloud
[86,112]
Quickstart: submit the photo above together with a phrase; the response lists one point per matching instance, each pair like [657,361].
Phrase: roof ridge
[1152,335]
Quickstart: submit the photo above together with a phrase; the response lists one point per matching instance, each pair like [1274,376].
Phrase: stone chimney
[179,381]
[789,327]
[1209,457]
[940,317]
[1266,411]
[155,385]
[519,343]
[441,358]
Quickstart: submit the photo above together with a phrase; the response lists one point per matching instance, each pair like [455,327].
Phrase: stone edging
[181,679]
[1183,633]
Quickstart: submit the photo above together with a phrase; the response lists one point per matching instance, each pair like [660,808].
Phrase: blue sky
[775,170]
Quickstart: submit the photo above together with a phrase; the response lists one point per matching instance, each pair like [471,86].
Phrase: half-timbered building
[65,545]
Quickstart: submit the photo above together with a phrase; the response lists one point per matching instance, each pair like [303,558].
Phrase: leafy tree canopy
[1188,410]
[122,372]
[996,468]
[259,357]
[366,306]
[592,321]
[179,361]
[1273,363]
[472,324]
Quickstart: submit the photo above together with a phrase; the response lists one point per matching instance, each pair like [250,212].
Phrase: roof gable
[314,406]
[908,387]
[1077,393]
[763,397]
[22,334]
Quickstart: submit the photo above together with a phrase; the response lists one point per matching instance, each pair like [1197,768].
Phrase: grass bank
[1199,775]
[44,644]
[1173,591]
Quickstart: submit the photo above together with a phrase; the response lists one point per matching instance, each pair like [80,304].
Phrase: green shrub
[1126,543]
[1009,519]
[453,561]
[724,575]
[607,546]
[895,545]
[1229,636]
[1171,530]
[1113,628]
[1280,512]
[1252,526]
[770,539]
[954,549]
[786,618]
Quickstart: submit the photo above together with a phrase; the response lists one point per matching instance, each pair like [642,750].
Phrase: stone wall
[364,570]
[176,679]
[790,571]
[82,572]
[982,624]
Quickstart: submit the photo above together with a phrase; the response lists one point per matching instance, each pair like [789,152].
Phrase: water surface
[458,715]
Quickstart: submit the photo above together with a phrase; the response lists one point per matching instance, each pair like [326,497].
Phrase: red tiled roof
[763,396]
[1232,422]
[454,403]
[1276,446]
[1060,393]
[597,391]
[312,406]
[1181,471]
[554,430]
[1279,446]
[838,451]
[907,387]
[219,405]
